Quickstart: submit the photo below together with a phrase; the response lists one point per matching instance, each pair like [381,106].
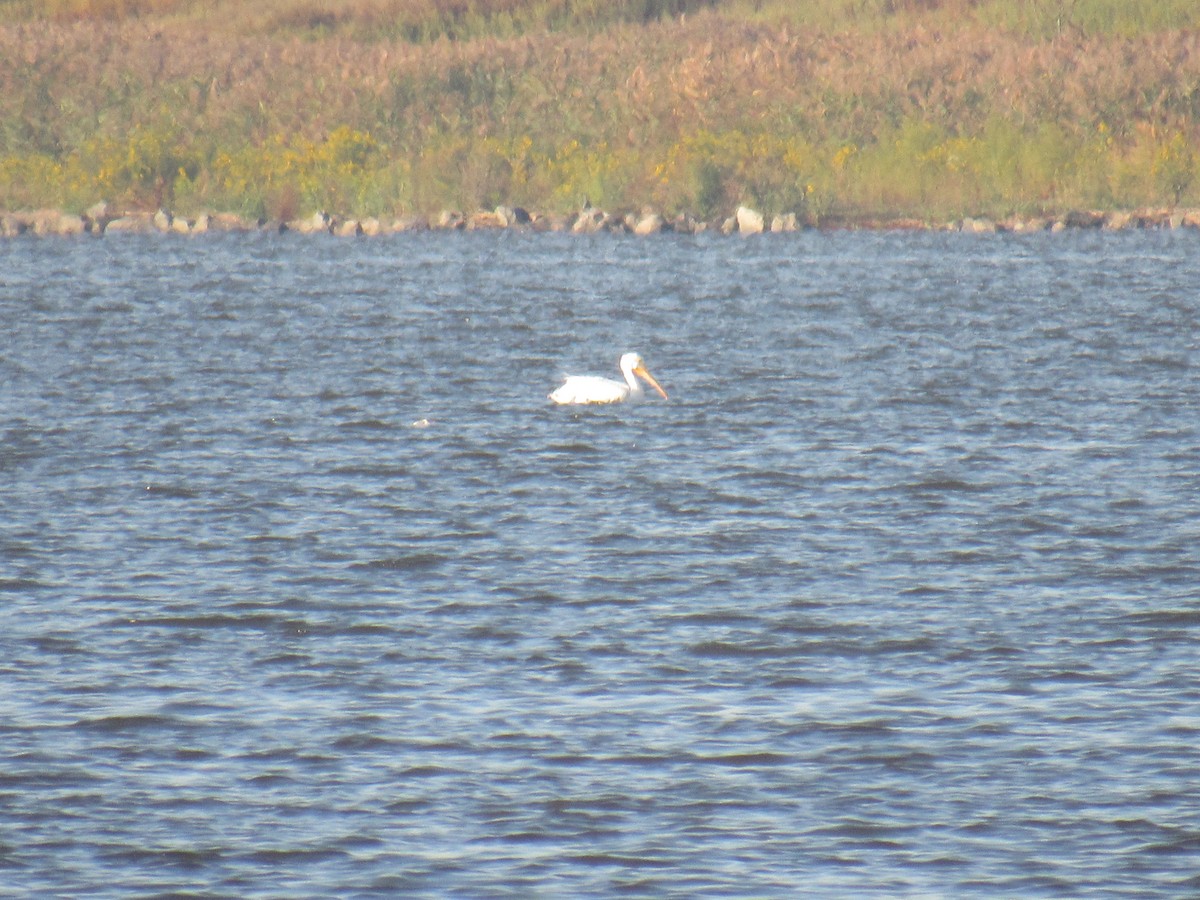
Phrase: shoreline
[101,219]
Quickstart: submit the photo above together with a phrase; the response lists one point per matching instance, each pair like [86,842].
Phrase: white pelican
[593,389]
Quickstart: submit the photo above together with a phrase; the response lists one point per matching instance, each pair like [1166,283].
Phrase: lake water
[896,596]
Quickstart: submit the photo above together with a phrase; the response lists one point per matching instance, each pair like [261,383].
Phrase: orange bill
[642,373]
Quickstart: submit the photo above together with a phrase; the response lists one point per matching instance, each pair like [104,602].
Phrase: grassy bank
[834,109]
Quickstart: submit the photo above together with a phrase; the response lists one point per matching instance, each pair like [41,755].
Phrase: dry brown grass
[700,111]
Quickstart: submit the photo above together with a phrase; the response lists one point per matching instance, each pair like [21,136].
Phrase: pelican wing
[590,389]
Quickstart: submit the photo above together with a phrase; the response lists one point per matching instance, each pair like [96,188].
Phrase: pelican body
[593,389]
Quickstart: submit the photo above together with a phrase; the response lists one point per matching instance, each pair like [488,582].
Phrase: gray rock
[131,223]
[52,222]
[589,221]
[314,224]
[484,221]
[230,222]
[972,225]
[71,224]
[749,221]
[12,226]
[651,223]
[1027,226]
[1083,219]
[1118,221]
[552,222]
[409,223]
[615,224]
[785,222]
[512,216]
[97,216]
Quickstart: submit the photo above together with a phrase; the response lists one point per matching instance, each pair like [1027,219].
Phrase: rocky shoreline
[102,219]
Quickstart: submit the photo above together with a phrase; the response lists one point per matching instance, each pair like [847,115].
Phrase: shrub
[830,107]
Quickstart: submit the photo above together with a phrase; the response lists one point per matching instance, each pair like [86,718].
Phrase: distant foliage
[828,108]
[418,21]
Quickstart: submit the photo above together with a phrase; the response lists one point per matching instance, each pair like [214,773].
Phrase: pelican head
[631,365]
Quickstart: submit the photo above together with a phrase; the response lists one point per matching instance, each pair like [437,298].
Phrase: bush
[933,109]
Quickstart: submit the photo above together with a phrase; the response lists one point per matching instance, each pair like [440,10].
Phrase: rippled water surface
[895,596]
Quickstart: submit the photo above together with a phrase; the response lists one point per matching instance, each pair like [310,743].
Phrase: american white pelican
[593,389]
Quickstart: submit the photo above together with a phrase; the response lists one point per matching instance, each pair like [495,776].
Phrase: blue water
[898,595]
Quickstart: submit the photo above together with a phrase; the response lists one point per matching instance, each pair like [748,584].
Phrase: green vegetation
[834,109]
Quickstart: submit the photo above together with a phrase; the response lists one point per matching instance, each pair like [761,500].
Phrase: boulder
[451,220]
[749,221]
[971,225]
[230,222]
[97,216]
[1083,219]
[131,223]
[1118,221]
[54,222]
[589,221]
[38,221]
[371,227]
[162,220]
[553,222]
[180,225]
[347,228]
[650,223]
[410,222]
[615,224]
[483,221]
[317,222]
[12,226]
[201,224]
[71,224]
[785,222]
[1020,225]
[512,216]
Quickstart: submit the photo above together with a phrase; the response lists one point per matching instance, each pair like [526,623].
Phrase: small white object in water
[421,423]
